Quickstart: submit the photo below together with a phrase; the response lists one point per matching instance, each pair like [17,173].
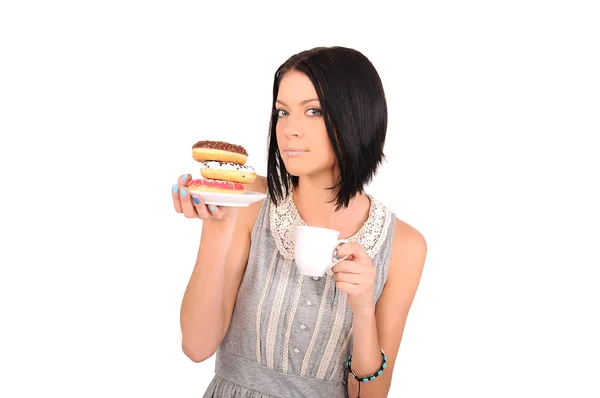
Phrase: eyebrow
[301,103]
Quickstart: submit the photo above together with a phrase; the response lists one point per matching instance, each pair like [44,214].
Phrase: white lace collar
[284,218]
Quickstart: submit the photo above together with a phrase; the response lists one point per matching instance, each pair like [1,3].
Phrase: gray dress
[289,334]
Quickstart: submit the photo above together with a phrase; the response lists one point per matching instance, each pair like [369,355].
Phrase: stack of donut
[223,167]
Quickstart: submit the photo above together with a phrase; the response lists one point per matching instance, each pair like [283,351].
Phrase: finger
[348,266]
[352,249]
[183,180]
[206,211]
[217,212]
[352,279]
[200,206]
[176,198]
[189,210]
[176,191]
[347,288]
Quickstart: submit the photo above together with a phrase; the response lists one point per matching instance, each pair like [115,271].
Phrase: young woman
[275,332]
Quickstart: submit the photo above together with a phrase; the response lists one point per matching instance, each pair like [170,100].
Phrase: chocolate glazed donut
[219,151]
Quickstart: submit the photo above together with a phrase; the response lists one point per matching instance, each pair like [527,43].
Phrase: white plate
[230,199]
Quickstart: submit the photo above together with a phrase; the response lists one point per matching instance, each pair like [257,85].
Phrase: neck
[316,205]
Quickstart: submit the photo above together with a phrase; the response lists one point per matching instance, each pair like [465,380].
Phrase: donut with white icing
[228,171]
[210,185]
[219,151]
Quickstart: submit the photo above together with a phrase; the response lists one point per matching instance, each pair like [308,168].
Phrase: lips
[294,151]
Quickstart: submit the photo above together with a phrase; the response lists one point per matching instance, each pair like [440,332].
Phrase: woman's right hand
[192,205]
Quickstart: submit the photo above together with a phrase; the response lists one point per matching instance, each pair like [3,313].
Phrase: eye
[314,112]
[280,113]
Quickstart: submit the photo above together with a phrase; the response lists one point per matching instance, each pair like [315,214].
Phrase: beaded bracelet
[366,379]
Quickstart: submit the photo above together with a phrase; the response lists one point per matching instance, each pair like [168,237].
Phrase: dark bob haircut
[355,113]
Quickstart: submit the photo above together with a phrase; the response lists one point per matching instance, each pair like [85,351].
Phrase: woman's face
[301,133]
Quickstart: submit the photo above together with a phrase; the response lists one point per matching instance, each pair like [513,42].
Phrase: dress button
[296,350]
[303,326]
[309,302]
[315,278]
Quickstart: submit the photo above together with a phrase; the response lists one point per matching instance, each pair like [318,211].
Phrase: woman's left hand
[355,276]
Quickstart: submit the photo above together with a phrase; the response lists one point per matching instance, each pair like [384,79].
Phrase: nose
[291,128]
[289,133]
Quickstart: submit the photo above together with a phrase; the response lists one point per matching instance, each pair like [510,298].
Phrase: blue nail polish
[211,208]
[196,201]
[175,188]
[183,193]
[184,177]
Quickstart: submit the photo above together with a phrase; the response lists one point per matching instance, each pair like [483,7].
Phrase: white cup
[315,248]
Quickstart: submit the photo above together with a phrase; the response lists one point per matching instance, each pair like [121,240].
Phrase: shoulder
[409,250]
[408,245]
[408,240]
[259,185]
[406,264]
[405,238]
[407,260]
[250,213]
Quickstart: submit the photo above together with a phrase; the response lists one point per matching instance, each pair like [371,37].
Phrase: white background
[493,113]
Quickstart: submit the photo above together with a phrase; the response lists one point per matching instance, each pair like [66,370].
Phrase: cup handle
[334,259]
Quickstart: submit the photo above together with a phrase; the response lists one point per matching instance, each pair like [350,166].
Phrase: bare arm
[211,292]
[384,328]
